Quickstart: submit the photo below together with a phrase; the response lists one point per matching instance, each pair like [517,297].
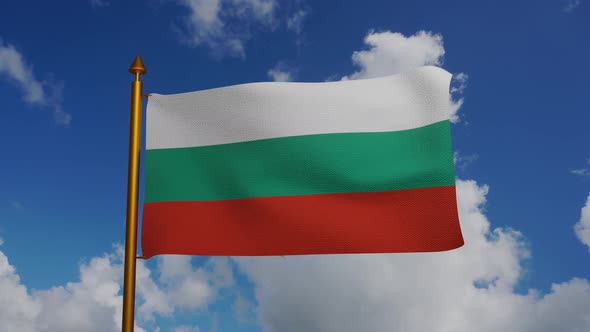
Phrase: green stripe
[302,165]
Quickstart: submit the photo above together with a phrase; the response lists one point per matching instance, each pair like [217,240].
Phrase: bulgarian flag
[358,166]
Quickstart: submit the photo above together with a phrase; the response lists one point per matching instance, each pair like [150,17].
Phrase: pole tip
[137,66]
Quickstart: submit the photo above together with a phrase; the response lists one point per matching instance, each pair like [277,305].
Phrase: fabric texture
[363,166]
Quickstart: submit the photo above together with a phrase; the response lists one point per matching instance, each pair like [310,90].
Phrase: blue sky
[522,161]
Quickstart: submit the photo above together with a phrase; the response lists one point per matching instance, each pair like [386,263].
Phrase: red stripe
[413,220]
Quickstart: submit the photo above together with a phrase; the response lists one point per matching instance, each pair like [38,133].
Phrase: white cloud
[207,25]
[585,171]
[155,299]
[572,5]
[13,66]
[278,75]
[244,310]
[295,21]
[458,86]
[17,309]
[281,72]
[462,161]
[467,289]
[46,94]
[222,273]
[391,53]
[192,288]
[263,10]
[184,286]
[460,81]
[581,171]
[582,228]
[94,302]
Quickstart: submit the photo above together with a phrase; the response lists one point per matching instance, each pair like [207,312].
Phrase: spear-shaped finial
[137,66]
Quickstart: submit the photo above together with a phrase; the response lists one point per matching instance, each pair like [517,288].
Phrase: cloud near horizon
[280,73]
[94,303]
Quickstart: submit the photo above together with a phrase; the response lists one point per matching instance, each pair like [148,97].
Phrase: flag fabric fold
[361,166]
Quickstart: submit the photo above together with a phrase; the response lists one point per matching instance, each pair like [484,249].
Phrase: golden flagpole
[137,68]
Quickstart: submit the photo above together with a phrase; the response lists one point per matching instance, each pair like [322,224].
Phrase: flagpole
[137,68]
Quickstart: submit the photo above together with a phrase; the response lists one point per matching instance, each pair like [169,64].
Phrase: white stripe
[268,110]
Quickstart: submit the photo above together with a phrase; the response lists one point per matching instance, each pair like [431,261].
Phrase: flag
[356,166]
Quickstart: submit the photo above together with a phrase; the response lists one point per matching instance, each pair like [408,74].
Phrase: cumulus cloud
[46,94]
[391,53]
[91,304]
[280,73]
[207,23]
[17,309]
[582,228]
[186,287]
[94,302]
[181,286]
[467,289]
